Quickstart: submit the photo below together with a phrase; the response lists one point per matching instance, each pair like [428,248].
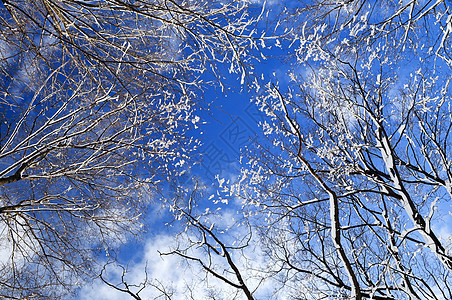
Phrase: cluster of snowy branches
[345,193]
[348,190]
[96,101]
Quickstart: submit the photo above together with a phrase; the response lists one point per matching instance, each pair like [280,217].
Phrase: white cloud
[181,278]
[166,269]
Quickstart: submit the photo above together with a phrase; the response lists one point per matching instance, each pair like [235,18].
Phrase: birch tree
[97,98]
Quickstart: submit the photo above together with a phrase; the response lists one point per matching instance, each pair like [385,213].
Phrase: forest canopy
[342,191]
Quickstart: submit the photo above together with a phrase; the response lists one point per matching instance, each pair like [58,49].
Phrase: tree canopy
[344,191]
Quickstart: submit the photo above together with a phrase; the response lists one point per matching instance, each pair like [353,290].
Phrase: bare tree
[97,98]
[356,174]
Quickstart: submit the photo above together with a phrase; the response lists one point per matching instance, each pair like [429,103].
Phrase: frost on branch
[354,177]
[98,103]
